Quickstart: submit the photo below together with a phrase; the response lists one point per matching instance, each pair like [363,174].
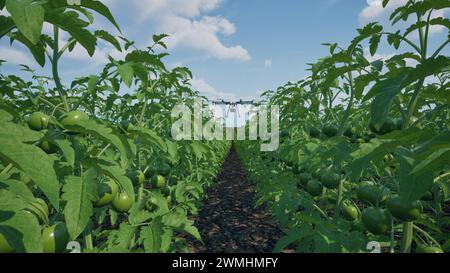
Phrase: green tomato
[38,121]
[314,132]
[429,249]
[349,211]
[73,118]
[330,180]
[330,130]
[350,132]
[123,202]
[304,178]
[371,193]
[138,177]
[388,126]
[285,134]
[151,204]
[164,169]
[376,220]
[55,238]
[404,210]
[158,181]
[5,247]
[428,196]
[48,147]
[314,187]
[107,193]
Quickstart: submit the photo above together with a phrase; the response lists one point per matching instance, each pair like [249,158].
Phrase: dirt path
[228,222]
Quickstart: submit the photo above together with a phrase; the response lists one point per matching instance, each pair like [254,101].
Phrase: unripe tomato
[376,220]
[330,180]
[330,130]
[304,178]
[73,118]
[137,177]
[107,193]
[38,121]
[151,204]
[164,169]
[350,132]
[48,147]
[349,211]
[55,238]
[123,202]
[428,196]
[158,181]
[314,132]
[388,126]
[314,187]
[285,133]
[404,210]
[429,249]
[5,247]
[371,193]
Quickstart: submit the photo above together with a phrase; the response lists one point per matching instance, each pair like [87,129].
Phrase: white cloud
[183,8]
[374,11]
[210,92]
[15,56]
[267,63]
[189,26]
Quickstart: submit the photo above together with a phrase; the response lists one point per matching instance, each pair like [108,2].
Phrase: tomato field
[363,157]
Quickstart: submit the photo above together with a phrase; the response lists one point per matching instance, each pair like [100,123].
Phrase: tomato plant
[77,161]
[363,155]
[373,131]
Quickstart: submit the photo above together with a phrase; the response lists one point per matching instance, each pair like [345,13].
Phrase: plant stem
[429,237]
[339,200]
[350,104]
[56,77]
[407,237]
[413,103]
[88,237]
[6,170]
[392,237]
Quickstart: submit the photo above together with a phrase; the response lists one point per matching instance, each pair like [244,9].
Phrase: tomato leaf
[412,187]
[69,21]
[126,71]
[35,163]
[21,229]
[28,17]
[6,25]
[104,133]
[19,188]
[80,193]
[151,236]
[114,171]
[104,35]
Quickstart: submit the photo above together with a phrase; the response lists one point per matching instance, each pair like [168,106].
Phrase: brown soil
[228,221]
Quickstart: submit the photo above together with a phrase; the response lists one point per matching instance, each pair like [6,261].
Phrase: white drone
[233,106]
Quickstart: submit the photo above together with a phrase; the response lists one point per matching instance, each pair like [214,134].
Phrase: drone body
[233,105]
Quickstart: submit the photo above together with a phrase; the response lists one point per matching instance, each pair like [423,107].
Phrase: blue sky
[235,48]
